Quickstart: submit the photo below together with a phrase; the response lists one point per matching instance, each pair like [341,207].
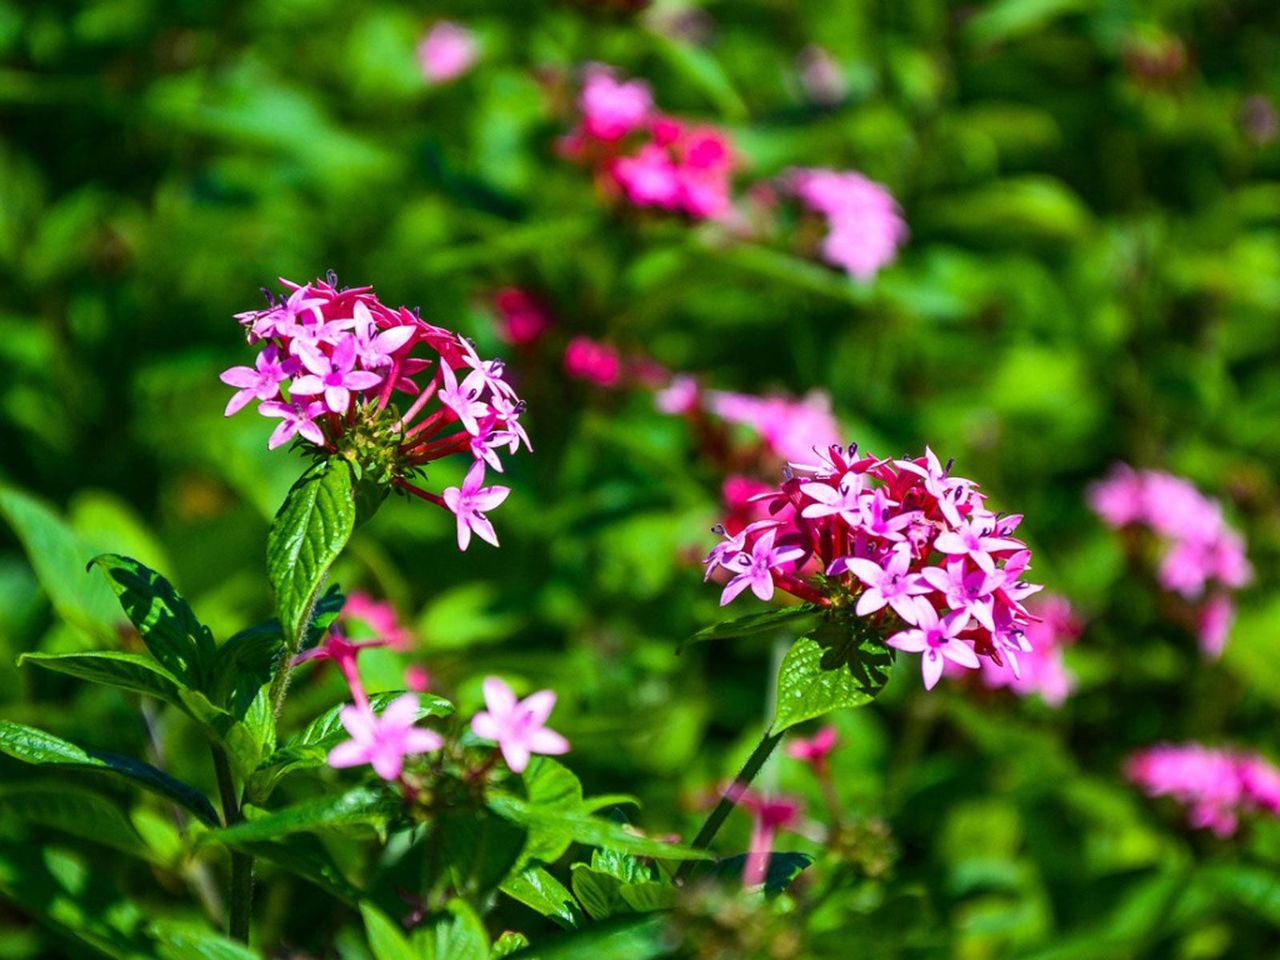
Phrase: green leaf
[188,941]
[309,531]
[74,810]
[649,896]
[1254,889]
[305,857]
[782,869]
[842,663]
[596,891]
[386,940]
[359,807]
[126,671]
[44,749]
[243,666]
[58,558]
[550,785]
[629,938]
[510,942]
[538,890]
[625,866]
[480,849]
[795,618]
[168,626]
[460,936]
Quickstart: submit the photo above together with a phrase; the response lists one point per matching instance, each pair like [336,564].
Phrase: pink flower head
[446,52]
[1041,669]
[521,319]
[416,678]
[1216,786]
[383,741]
[792,428]
[769,815]
[380,386]
[469,504]
[342,653]
[816,749]
[599,363]
[380,617]
[613,108]
[864,224]
[517,726]
[902,542]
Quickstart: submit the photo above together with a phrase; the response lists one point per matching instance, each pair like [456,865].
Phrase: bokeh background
[1092,189]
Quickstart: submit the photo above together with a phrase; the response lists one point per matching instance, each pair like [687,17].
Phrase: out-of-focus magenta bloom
[1201,557]
[815,750]
[416,678]
[341,652]
[380,617]
[821,76]
[1216,786]
[769,815]
[521,318]
[591,360]
[351,376]
[792,428]
[651,159]
[864,223]
[517,726]
[1043,671]
[865,532]
[383,741]
[447,52]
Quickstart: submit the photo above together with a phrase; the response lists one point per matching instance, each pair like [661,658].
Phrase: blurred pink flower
[770,814]
[521,319]
[613,108]
[416,678]
[446,52]
[380,617]
[1216,785]
[517,726]
[792,428]
[591,360]
[816,749]
[864,224]
[1041,670]
[383,741]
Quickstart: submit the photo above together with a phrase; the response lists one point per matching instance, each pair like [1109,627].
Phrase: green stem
[729,800]
[241,891]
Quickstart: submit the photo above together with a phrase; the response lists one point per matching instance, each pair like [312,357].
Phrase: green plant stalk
[729,800]
[240,896]
[293,646]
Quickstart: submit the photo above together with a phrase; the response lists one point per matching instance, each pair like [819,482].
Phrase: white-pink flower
[383,741]
[447,52]
[469,504]
[517,726]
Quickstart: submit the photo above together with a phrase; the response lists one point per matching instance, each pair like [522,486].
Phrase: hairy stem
[240,895]
[729,800]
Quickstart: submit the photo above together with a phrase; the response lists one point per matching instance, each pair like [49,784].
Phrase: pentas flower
[770,814]
[1042,671]
[470,502]
[815,750]
[379,617]
[1217,786]
[651,159]
[517,726]
[864,224]
[347,375]
[342,653]
[521,318]
[383,741]
[901,543]
[1200,557]
[591,360]
[790,427]
[447,52]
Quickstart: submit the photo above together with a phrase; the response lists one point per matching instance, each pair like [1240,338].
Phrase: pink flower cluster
[865,227]
[1043,673]
[593,361]
[336,366]
[1200,555]
[378,617]
[650,158]
[1217,786]
[447,52]
[904,542]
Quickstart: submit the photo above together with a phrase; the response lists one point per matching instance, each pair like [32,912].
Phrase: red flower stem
[427,393]
[441,448]
[435,423]
[798,588]
[408,487]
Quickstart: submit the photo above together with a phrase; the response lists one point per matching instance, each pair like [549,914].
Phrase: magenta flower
[374,347]
[650,178]
[890,584]
[815,750]
[333,375]
[864,224]
[463,398]
[596,362]
[845,499]
[469,503]
[1216,786]
[446,52]
[613,108]
[936,639]
[517,726]
[755,569]
[297,419]
[521,319]
[380,617]
[342,653]
[770,814]
[975,539]
[261,381]
[968,591]
[383,741]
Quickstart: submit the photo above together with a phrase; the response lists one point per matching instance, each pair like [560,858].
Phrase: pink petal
[931,667]
[516,755]
[239,400]
[348,754]
[484,726]
[498,697]
[484,529]
[307,386]
[547,741]
[539,705]
[402,711]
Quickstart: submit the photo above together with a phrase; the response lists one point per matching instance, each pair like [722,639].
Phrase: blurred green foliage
[1093,191]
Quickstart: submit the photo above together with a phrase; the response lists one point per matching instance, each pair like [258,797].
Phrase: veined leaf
[359,807]
[480,849]
[77,811]
[795,618]
[386,940]
[309,531]
[648,896]
[168,626]
[538,890]
[127,671]
[629,938]
[597,892]
[782,869]
[44,749]
[459,936]
[840,664]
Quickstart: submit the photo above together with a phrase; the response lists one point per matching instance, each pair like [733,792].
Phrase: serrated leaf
[167,624]
[538,890]
[459,936]
[782,869]
[842,663]
[796,618]
[76,811]
[309,531]
[596,891]
[125,671]
[58,558]
[386,940]
[509,942]
[362,806]
[44,749]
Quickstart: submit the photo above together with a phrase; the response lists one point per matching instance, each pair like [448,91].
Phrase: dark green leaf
[359,807]
[74,810]
[796,618]
[842,663]
[480,849]
[597,892]
[629,938]
[782,869]
[540,891]
[127,671]
[304,857]
[187,941]
[168,626]
[43,749]
[309,531]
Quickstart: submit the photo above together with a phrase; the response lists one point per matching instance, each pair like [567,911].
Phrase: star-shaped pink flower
[383,741]
[517,726]
[469,503]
